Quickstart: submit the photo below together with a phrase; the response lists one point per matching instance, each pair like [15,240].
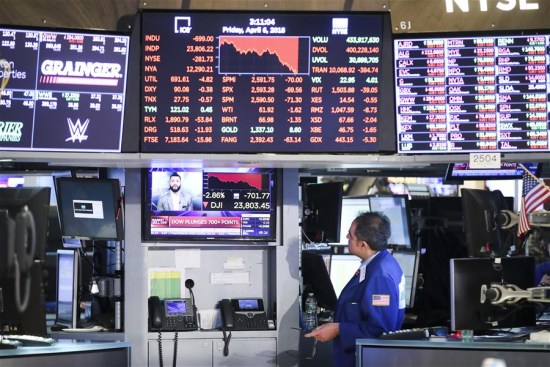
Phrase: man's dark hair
[374,228]
[175,174]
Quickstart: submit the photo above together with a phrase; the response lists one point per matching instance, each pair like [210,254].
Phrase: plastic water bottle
[310,314]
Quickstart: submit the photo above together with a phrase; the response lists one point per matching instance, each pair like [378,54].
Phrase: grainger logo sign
[77,130]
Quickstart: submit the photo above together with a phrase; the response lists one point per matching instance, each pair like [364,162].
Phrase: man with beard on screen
[175,198]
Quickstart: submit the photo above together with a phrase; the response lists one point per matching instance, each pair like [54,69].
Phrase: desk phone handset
[243,314]
[172,314]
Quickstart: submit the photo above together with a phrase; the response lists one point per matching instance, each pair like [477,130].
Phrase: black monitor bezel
[387,143]
[146,213]
[115,209]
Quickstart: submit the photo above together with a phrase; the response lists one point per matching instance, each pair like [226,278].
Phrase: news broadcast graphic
[507,171]
[459,93]
[62,90]
[184,204]
[267,82]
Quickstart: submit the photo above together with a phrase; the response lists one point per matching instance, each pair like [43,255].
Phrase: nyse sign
[468,15]
[503,5]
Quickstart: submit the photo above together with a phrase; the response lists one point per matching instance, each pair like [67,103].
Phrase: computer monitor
[90,208]
[68,265]
[23,229]
[342,269]
[396,207]
[408,261]
[468,275]
[322,212]
[351,208]
[316,279]
[480,209]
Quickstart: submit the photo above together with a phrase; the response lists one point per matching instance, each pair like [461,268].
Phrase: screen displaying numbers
[467,94]
[265,82]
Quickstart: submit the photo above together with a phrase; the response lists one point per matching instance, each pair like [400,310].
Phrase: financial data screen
[266,82]
[472,93]
[62,91]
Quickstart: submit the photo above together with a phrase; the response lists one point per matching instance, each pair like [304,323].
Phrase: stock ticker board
[61,90]
[266,82]
[469,93]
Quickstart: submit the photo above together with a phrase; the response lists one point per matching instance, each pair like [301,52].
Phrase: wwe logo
[77,130]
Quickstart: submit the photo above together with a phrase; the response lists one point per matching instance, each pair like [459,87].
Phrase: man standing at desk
[175,199]
[373,301]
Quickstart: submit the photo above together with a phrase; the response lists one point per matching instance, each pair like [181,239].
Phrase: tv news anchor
[373,301]
[175,198]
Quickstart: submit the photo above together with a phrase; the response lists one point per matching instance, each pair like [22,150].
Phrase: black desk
[69,353]
[404,353]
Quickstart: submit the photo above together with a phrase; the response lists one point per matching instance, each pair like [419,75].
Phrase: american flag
[535,193]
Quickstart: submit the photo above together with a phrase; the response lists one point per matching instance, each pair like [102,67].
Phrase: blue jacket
[364,310]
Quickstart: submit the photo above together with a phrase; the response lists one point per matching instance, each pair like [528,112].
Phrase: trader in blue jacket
[373,301]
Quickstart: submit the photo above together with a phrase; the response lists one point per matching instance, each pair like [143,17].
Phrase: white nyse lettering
[504,5]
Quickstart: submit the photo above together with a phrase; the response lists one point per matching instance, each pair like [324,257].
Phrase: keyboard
[31,340]
[406,334]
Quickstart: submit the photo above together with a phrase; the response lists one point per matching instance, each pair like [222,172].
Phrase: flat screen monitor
[480,209]
[342,269]
[90,208]
[62,90]
[322,206]
[408,261]
[507,171]
[351,208]
[316,279]
[468,275]
[68,265]
[23,231]
[192,204]
[266,82]
[396,207]
[465,92]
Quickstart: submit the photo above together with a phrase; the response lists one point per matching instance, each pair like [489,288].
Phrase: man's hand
[325,332]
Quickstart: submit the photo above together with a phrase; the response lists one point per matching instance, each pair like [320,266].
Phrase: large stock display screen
[266,82]
[472,93]
[62,91]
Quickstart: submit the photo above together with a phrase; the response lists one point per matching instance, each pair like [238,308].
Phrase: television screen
[460,92]
[262,82]
[62,90]
[396,207]
[342,269]
[187,204]
[90,208]
[409,261]
[507,171]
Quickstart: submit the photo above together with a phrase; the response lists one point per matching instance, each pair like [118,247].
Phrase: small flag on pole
[534,194]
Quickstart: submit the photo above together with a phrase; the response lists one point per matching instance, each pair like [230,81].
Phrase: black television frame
[275,180]
[110,196]
[385,133]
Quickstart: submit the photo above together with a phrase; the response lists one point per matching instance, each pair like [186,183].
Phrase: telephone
[243,314]
[172,314]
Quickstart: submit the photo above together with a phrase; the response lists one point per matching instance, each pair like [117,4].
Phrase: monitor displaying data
[468,93]
[261,82]
[62,90]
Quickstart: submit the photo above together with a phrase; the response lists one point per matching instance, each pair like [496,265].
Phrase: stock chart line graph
[263,55]
[237,181]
